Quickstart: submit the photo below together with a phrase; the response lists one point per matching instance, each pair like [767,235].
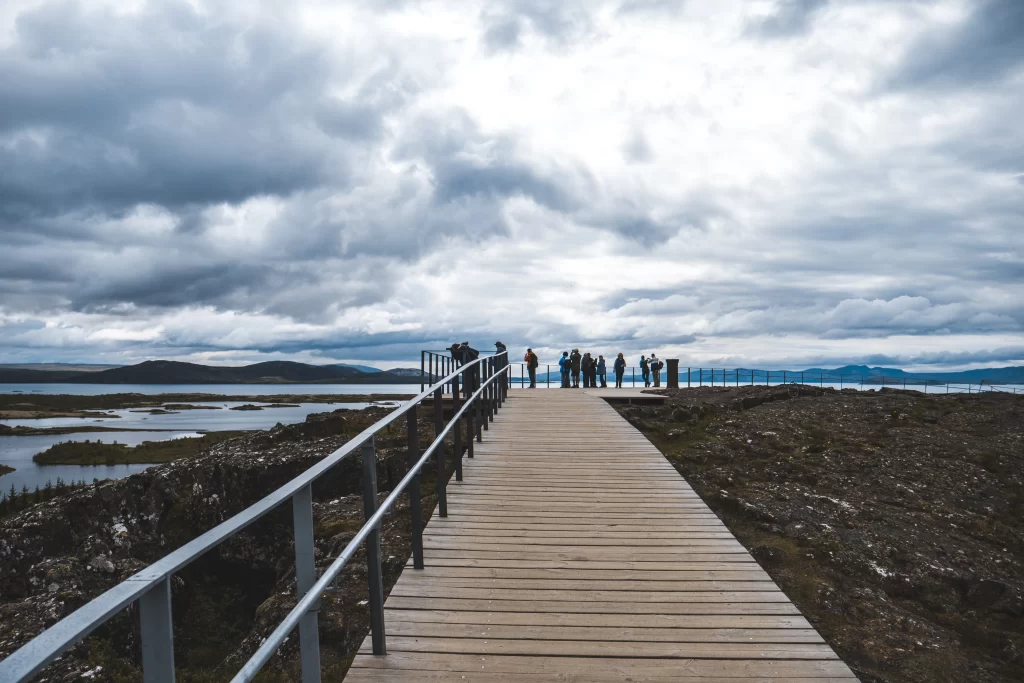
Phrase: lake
[219,389]
[17,451]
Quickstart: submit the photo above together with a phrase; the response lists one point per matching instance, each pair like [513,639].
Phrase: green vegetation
[4,469]
[13,500]
[99,453]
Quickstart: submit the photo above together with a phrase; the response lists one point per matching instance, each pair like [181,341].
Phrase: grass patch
[100,453]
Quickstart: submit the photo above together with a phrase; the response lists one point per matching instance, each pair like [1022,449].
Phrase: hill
[175,372]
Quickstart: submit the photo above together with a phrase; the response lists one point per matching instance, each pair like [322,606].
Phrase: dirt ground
[894,520]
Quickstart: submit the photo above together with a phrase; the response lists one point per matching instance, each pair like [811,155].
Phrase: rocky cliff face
[58,555]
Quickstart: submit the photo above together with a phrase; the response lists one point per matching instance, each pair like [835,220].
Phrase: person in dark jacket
[602,372]
[500,360]
[563,366]
[575,360]
[645,370]
[620,370]
[587,366]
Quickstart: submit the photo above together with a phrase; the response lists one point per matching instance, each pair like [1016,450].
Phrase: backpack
[643,364]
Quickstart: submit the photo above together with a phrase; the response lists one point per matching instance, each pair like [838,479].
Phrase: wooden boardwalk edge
[573,551]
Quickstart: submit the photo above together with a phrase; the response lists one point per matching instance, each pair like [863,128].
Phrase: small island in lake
[100,453]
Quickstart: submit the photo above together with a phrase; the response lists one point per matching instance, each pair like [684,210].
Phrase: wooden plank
[584,595]
[457,560]
[621,620]
[735,572]
[589,648]
[641,669]
[518,584]
[589,607]
[408,676]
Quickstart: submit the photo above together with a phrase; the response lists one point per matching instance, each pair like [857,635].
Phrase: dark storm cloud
[981,50]
[651,7]
[169,286]
[466,164]
[792,17]
[465,178]
[557,22]
[113,111]
[503,33]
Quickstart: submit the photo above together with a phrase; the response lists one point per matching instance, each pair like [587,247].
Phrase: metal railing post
[157,633]
[469,381]
[415,509]
[457,430]
[493,402]
[700,377]
[373,569]
[688,377]
[422,363]
[442,481]
[305,577]
[485,419]
[477,410]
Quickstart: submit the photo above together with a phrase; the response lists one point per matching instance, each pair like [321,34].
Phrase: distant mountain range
[173,372]
[285,372]
[1007,375]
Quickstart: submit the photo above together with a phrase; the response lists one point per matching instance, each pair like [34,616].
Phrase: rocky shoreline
[892,519]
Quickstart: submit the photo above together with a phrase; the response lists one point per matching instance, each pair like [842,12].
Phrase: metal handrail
[274,640]
[692,376]
[151,586]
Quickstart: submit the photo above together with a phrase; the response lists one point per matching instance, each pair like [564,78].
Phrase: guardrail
[549,376]
[475,401]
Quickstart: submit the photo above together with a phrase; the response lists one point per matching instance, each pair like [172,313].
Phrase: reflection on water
[17,451]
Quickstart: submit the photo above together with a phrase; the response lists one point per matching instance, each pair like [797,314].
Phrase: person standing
[620,370]
[575,360]
[531,365]
[585,369]
[602,372]
[500,361]
[656,365]
[563,367]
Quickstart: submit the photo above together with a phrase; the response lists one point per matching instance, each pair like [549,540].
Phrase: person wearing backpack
[531,365]
[575,360]
[620,370]
[563,367]
[656,366]
[645,370]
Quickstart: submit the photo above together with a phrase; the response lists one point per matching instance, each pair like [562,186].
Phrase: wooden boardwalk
[573,551]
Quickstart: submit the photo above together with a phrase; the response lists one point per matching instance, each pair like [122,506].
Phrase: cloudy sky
[740,182]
